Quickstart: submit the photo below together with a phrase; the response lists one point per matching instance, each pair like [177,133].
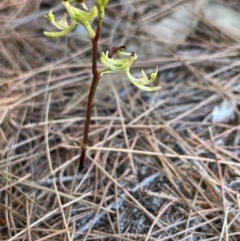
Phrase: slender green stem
[93,87]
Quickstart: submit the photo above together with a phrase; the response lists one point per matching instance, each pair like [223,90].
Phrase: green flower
[78,16]
[116,65]
[82,17]
[61,25]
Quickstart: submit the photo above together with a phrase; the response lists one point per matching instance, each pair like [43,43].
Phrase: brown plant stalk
[95,79]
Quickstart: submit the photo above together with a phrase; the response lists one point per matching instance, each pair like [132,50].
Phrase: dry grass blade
[161,166]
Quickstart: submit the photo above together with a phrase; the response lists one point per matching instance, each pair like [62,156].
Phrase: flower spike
[124,64]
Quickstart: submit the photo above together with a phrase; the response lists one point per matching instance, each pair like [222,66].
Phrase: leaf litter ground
[159,166]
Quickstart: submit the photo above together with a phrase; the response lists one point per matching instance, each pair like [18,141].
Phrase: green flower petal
[61,33]
[144,79]
[61,24]
[141,86]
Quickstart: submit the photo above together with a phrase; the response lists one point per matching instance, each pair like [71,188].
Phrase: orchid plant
[120,61]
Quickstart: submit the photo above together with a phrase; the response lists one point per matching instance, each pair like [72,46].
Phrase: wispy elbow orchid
[119,60]
[116,65]
[78,16]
